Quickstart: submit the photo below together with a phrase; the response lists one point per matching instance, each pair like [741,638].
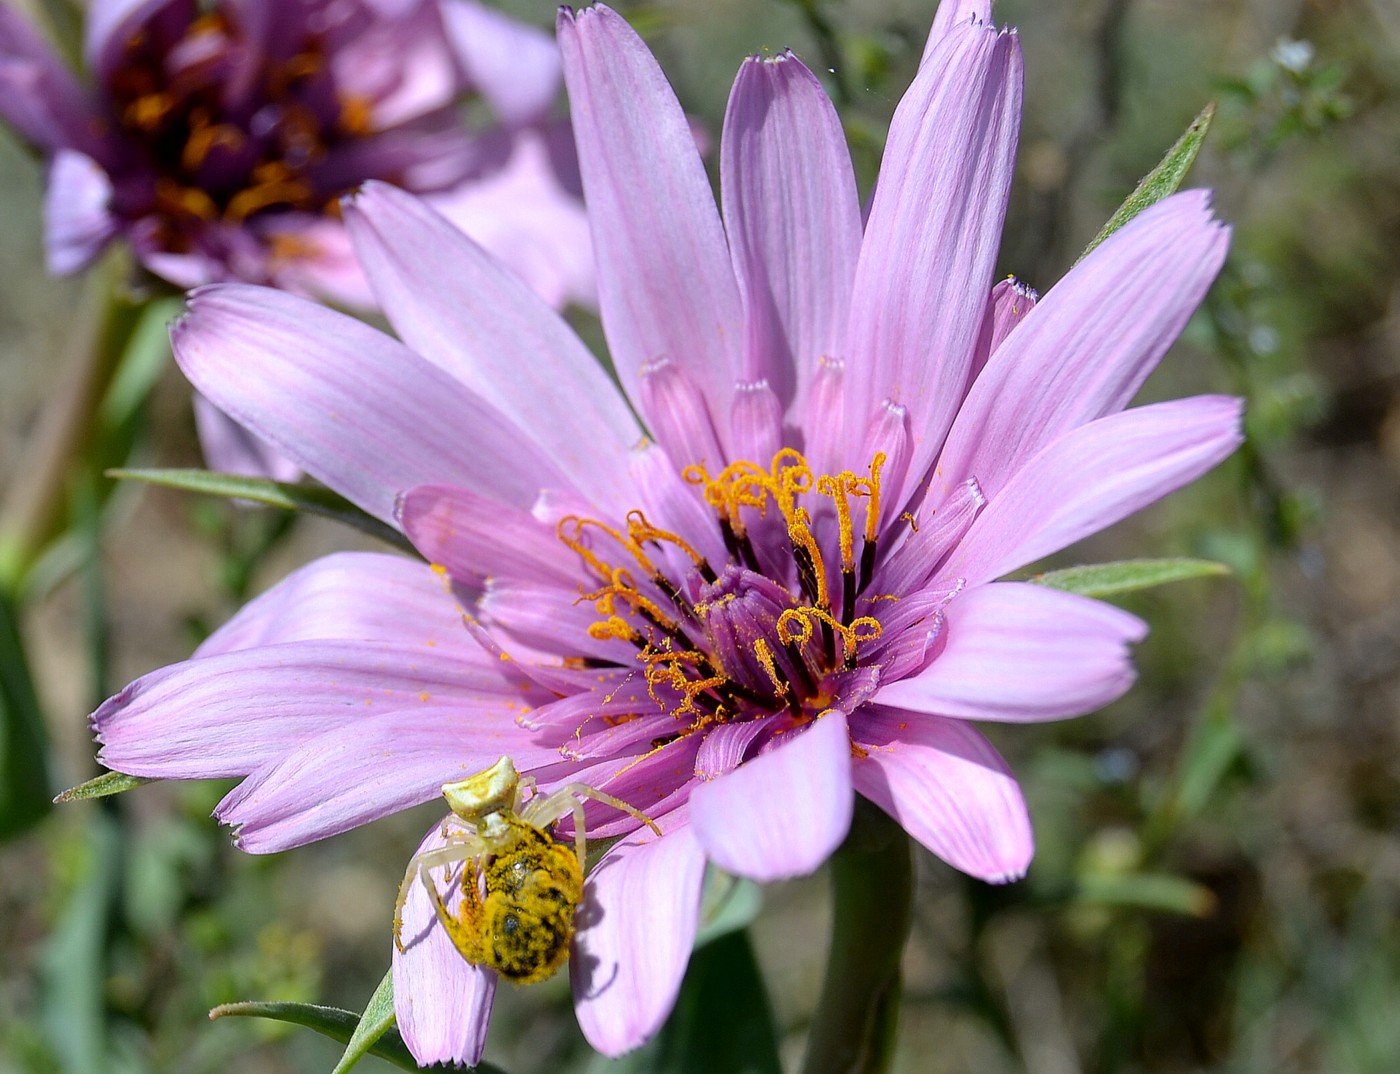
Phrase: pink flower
[787,597]
[218,139]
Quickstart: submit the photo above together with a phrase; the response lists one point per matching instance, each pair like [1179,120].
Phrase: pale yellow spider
[520,921]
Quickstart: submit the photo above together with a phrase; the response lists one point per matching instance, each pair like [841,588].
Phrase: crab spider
[521,920]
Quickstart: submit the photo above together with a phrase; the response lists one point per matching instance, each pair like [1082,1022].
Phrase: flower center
[777,626]
[229,131]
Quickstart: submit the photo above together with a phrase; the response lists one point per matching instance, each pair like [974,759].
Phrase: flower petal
[1021,653]
[954,13]
[931,242]
[39,96]
[527,216]
[225,715]
[355,408]
[634,934]
[352,596]
[948,787]
[665,285]
[388,762]
[452,303]
[1092,477]
[108,26]
[793,220]
[442,1002]
[78,222]
[514,66]
[1088,345]
[783,813]
[472,537]
[1007,306]
[231,449]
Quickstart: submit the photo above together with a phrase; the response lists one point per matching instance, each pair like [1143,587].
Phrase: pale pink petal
[1088,345]
[634,934]
[931,243]
[514,66]
[674,405]
[527,217]
[1009,303]
[672,503]
[549,618]
[402,63]
[954,13]
[1092,477]
[225,715]
[442,1003]
[319,260]
[784,812]
[231,449]
[665,285]
[948,787]
[1022,653]
[793,220]
[472,537]
[756,422]
[452,303]
[391,761]
[39,96]
[108,26]
[937,529]
[78,222]
[352,596]
[355,408]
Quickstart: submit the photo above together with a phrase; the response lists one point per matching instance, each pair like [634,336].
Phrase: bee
[520,887]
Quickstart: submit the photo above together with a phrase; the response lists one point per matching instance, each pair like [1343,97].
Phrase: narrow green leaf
[314,499]
[1210,751]
[101,786]
[1161,180]
[727,904]
[143,359]
[329,1021]
[337,1024]
[1128,575]
[24,769]
[1147,891]
[377,1020]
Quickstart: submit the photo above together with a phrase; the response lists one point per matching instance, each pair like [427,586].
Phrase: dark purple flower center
[229,130]
[780,628]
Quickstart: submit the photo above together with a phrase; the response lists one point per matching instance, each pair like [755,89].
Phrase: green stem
[33,511]
[853,1029]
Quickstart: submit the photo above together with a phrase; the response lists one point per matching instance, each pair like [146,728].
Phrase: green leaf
[1161,180]
[101,786]
[377,1020]
[314,499]
[1210,751]
[727,904]
[24,772]
[329,1021]
[1147,891]
[1128,575]
[721,1023]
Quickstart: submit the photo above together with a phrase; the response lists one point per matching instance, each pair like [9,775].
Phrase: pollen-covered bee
[520,887]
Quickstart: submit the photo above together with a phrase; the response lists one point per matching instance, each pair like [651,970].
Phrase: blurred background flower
[218,139]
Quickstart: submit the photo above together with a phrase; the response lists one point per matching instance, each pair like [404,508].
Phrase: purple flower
[218,139]
[785,597]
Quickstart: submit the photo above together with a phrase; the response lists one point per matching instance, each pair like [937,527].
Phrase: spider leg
[585,791]
[464,847]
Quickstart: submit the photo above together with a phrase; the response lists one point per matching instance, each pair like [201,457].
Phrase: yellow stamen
[765,659]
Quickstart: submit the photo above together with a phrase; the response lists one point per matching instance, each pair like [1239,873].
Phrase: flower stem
[853,1028]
